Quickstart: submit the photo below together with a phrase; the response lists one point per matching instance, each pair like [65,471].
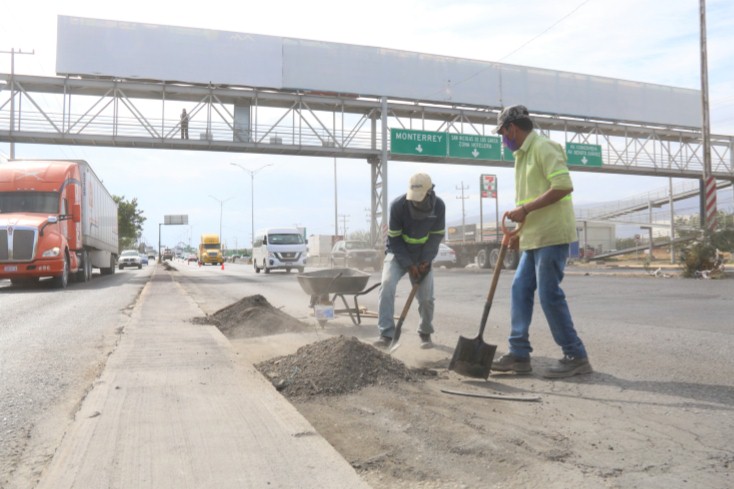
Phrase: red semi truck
[56,220]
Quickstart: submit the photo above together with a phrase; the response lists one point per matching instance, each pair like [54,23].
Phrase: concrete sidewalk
[175,408]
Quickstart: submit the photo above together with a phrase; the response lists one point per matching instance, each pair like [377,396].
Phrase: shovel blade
[472,358]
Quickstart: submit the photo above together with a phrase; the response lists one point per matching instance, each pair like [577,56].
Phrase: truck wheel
[300,269]
[111,269]
[266,269]
[62,281]
[512,258]
[84,273]
[287,270]
[494,255]
[483,259]
[88,269]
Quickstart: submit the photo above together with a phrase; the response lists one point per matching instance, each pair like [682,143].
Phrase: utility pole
[12,54]
[221,207]
[252,198]
[336,207]
[344,218]
[708,211]
[463,213]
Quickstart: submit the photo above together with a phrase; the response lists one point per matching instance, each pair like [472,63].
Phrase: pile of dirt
[253,316]
[338,365]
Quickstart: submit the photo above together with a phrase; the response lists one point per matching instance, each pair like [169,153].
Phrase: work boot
[426,342]
[382,342]
[511,363]
[568,366]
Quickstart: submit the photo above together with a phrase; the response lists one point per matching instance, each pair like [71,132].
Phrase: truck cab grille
[18,244]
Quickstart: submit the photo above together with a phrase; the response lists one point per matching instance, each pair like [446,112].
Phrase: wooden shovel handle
[508,236]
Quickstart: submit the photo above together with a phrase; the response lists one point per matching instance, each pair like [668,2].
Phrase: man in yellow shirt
[543,203]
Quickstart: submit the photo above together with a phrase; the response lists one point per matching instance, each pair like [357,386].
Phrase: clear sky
[643,40]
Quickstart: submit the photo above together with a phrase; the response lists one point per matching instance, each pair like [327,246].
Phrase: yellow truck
[210,250]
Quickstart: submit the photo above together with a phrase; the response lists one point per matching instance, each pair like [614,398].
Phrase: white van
[279,248]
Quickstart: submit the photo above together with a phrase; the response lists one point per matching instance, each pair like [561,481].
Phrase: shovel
[473,357]
[395,344]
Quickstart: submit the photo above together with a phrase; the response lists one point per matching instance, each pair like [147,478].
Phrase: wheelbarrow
[337,283]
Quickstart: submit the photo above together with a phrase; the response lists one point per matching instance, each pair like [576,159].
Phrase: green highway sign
[507,154]
[474,147]
[418,143]
[583,154]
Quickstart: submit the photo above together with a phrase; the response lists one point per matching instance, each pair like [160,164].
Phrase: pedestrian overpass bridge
[114,89]
[145,114]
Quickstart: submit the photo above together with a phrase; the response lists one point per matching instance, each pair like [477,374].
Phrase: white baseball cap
[420,184]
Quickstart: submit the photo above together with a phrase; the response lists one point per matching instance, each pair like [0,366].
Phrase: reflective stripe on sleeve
[519,203]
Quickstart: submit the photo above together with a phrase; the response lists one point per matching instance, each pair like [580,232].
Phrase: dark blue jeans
[542,270]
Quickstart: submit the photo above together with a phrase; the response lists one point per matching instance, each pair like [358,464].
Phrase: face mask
[511,145]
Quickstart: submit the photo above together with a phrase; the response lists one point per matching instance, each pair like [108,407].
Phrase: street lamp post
[221,205]
[252,198]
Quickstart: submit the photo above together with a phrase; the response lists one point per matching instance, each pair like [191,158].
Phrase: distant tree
[704,253]
[130,221]
[625,243]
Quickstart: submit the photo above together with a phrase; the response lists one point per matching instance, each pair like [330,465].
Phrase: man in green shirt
[543,203]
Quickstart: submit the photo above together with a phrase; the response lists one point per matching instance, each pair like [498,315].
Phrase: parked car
[143,259]
[446,257]
[355,254]
[129,258]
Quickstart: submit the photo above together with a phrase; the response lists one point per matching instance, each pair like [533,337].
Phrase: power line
[450,84]
[548,29]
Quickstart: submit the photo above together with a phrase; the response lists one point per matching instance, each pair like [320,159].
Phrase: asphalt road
[53,344]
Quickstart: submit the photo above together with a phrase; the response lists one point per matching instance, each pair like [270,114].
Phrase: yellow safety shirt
[540,164]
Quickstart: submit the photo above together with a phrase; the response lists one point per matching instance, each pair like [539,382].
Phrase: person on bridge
[184,124]
[416,228]
[543,203]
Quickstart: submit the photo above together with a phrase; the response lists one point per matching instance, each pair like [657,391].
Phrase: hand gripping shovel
[395,344]
[473,357]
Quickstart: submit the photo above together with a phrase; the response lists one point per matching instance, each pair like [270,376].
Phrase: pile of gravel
[253,316]
[338,365]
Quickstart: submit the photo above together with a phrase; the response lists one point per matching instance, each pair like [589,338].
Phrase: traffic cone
[222,265]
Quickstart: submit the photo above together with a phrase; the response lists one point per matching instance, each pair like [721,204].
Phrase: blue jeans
[542,269]
[392,271]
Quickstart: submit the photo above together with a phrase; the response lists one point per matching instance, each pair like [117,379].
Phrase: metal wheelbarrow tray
[339,282]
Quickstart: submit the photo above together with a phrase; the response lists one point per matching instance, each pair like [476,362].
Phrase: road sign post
[488,186]
[170,220]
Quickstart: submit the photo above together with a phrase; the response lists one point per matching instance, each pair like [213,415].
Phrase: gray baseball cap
[511,114]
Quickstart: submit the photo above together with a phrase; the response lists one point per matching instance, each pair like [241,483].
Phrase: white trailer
[319,245]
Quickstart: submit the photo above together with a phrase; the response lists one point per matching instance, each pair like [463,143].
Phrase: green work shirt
[540,164]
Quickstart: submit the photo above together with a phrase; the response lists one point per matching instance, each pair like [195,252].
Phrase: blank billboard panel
[101,48]
[107,48]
